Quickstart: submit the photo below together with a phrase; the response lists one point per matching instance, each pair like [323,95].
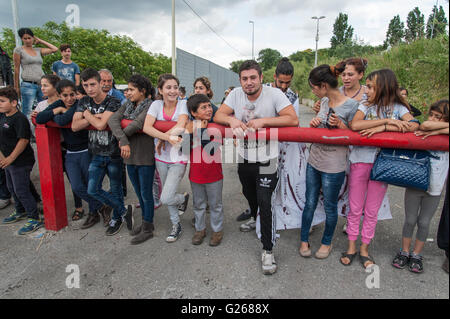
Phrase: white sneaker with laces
[269,266]
[248,226]
[174,234]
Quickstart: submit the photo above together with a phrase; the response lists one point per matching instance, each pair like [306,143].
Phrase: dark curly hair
[142,84]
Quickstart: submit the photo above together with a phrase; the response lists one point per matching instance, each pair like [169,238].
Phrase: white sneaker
[175,233]
[4,203]
[249,225]
[269,266]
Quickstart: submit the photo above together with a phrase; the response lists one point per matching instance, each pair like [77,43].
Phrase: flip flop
[364,259]
[349,256]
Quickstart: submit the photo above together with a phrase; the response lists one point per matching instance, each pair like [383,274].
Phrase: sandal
[77,215]
[365,259]
[349,256]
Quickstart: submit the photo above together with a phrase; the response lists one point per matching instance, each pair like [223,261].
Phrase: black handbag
[404,168]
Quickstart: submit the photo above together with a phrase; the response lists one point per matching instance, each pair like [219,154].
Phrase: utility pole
[174,49]
[253,39]
[434,19]
[317,37]
[16,22]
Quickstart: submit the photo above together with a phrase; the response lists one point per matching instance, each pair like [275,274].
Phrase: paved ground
[111,268]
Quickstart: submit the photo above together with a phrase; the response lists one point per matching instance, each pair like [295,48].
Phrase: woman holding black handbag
[386,110]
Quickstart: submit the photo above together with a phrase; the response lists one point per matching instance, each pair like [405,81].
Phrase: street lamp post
[317,37]
[253,39]
[174,68]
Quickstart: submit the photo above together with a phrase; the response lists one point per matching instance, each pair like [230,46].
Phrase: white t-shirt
[270,103]
[438,173]
[171,154]
[368,154]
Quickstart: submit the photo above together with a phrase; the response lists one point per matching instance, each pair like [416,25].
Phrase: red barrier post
[48,143]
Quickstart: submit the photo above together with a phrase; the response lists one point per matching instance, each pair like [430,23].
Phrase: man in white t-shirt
[254,107]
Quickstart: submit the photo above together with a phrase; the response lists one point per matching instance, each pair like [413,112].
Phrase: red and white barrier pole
[52,179]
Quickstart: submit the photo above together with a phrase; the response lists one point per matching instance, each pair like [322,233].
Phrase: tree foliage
[395,32]
[436,22]
[268,58]
[415,23]
[342,31]
[97,49]
[235,65]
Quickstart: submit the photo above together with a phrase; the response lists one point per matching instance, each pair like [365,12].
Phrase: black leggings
[257,187]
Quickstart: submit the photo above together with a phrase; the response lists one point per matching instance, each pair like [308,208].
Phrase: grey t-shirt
[332,158]
[269,104]
[31,65]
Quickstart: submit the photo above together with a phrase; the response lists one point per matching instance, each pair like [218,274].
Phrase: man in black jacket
[6,76]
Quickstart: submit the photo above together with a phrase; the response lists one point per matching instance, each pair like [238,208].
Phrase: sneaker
[14,217]
[31,226]
[269,266]
[401,260]
[4,203]
[175,233]
[182,207]
[248,226]
[128,217]
[244,216]
[415,264]
[114,227]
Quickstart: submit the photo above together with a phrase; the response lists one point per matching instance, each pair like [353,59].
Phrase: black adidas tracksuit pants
[258,183]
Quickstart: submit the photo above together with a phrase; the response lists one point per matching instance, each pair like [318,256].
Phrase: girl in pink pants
[385,110]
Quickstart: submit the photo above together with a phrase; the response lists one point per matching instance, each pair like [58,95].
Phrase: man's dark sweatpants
[257,189]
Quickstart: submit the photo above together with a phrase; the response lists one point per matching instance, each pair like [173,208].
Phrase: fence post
[48,142]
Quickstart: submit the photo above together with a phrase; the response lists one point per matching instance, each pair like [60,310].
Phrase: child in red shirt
[205,172]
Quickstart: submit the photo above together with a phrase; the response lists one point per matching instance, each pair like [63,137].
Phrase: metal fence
[190,67]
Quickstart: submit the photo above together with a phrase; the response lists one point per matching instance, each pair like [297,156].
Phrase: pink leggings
[364,195]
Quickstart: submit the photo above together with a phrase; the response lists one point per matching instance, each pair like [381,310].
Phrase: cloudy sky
[285,25]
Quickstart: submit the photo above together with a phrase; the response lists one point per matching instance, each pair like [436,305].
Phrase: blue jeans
[141,176]
[77,169]
[29,93]
[99,167]
[331,185]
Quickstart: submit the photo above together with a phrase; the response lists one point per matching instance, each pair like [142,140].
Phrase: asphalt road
[110,267]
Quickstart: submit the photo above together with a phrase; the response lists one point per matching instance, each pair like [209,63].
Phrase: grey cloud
[32,13]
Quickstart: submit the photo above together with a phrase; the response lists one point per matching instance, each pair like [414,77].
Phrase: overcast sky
[285,25]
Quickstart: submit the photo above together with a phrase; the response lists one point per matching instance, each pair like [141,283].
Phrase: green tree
[436,22]
[342,31]
[268,58]
[415,25]
[97,49]
[395,32]
[235,66]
